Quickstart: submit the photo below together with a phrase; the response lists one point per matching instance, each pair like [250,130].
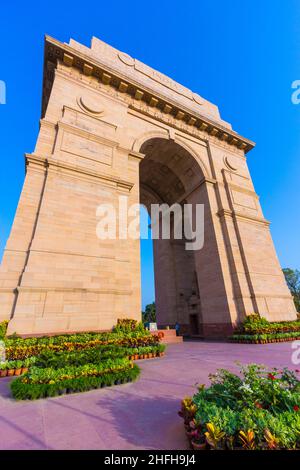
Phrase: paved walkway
[140,415]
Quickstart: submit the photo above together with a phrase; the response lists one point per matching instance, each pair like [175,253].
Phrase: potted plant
[135,353]
[3,370]
[198,441]
[214,437]
[195,436]
[190,429]
[10,368]
[145,352]
[131,354]
[27,363]
[148,352]
[18,367]
[247,439]
[161,349]
[141,353]
[272,442]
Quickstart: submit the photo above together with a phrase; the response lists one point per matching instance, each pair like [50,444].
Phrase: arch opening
[168,175]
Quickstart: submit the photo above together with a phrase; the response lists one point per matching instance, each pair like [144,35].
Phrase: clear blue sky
[242,55]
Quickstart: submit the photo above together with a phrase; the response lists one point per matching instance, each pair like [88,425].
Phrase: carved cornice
[142,96]
[225,213]
[49,163]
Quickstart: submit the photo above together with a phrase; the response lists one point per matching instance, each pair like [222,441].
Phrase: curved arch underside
[168,172]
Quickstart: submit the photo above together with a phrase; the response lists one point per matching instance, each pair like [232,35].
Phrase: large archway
[112,127]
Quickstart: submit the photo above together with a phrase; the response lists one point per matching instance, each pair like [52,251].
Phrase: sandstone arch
[99,113]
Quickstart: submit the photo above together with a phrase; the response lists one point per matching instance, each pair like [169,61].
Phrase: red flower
[296,408]
[271,376]
[258,405]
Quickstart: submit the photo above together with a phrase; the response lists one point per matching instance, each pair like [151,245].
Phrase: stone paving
[140,415]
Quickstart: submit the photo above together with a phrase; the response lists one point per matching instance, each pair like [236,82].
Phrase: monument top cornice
[130,76]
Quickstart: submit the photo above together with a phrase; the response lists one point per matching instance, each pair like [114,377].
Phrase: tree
[292,278]
[149,315]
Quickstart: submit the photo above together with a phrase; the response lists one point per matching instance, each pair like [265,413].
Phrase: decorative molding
[21,289]
[87,134]
[229,164]
[225,213]
[90,106]
[241,189]
[76,169]
[141,91]
[136,155]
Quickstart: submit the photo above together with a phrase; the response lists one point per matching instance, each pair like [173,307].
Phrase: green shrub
[259,408]
[78,361]
[125,325]
[264,338]
[3,329]
[33,391]
[254,324]
[76,358]
[259,329]
[50,375]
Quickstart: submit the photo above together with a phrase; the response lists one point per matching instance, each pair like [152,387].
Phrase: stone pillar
[16,253]
[256,271]
[218,310]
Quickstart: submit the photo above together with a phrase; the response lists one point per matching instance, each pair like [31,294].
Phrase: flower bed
[258,409]
[265,338]
[258,330]
[77,358]
[39,375]
[22,348]
[60,364]
[32,386]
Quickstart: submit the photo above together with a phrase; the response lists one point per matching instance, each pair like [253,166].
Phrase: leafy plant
[271,440]
[3,329]
[254,324]
[32,391]
[247,439]
[214,436]
[18,364]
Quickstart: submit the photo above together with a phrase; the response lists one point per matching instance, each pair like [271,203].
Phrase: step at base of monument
[170,337]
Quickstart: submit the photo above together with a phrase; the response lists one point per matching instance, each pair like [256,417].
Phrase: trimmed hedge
[30,391]
[50,375]
[86,356]
[19,348]
[78,358]
[258,330]
[265,338]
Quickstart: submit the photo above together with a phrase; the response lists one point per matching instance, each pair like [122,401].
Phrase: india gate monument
[112,126]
